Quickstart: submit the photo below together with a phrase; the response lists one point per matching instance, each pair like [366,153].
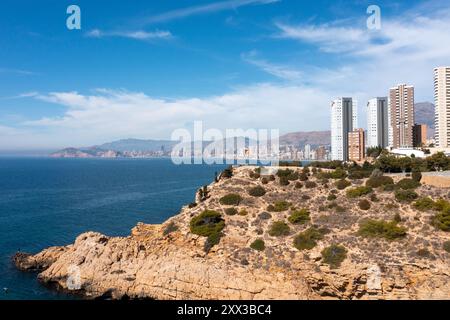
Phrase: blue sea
[46,202]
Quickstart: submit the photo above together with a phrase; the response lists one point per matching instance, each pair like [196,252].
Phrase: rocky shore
[174,261]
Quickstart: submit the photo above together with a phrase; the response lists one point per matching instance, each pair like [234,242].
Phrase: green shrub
[310,184]
[342,184]
[446,246]
[171,227]
[358,191]
[231,199]
[389,187]
[406,195]
[284,173]
[306,197]
[442,220]
[331,197]
[339,173]
[227,173]
[299,216]
[379,181]
[279,206]
[424,204]
[231,211]
[388,230]
[264,216]
[208,224]
[298,185]
[258,245]
[334,255]
[424,253]
[364,204]
[264,180]
[284,181]
[293,176]
[257,191]
[416,175]
[279,229]
[243,212]
[307,239]
[374,198]
[340,209]
[397,217]
[303,176]
[408,184]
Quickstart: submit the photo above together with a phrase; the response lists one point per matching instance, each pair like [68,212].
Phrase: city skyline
[239,64]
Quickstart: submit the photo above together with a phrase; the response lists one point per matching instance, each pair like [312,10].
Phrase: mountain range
[424,114]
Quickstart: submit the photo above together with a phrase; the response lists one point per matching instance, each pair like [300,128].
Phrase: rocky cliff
[168,261]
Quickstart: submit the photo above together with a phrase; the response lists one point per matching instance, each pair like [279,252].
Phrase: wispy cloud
[279,71]
[17,71]
[137,35]
[203,9]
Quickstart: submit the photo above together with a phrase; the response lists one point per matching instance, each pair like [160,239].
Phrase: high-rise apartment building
[378,122]
[420,135]
[401,109]
[442,106]
[356,145]
[343,120]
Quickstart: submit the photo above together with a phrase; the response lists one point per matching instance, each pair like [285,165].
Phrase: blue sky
[145,68]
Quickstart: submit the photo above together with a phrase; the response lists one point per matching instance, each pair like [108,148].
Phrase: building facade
[356,145]
[420,135]
[378,122]
[343,121]
[442,106]
[401,110]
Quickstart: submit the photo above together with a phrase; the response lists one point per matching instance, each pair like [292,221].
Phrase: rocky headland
[297,234]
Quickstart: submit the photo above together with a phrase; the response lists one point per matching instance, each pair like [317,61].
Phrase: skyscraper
[401,109]
[442,106]
[378,122]
[356,145]
[343,120]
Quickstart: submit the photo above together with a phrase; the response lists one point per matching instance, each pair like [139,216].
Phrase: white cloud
[137,35]
[278,71]
[203,9]
[106,115]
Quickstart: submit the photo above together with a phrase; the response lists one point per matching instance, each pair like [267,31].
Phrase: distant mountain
[300,139]
[424,114]
[138,145]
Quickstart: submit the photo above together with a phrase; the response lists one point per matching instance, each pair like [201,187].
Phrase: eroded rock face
[154,263]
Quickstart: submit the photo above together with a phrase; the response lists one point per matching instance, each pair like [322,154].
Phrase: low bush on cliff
[231,211]
[388,230]
[424,204]
[257,191]
[307,239]
[342,184]
[208,224]
[334,255]
[279,206]
[379,181]
[364,204]
[171,227]
[298,185]
[232,199]
[406,195]
[279,229]
[358,191]
[331,197]
[258,245]
[408,184]
[310,184]
[442,220]
[299,216]
[283,181]
[446,246]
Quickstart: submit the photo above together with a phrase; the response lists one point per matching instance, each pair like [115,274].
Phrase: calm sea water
[46,202]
